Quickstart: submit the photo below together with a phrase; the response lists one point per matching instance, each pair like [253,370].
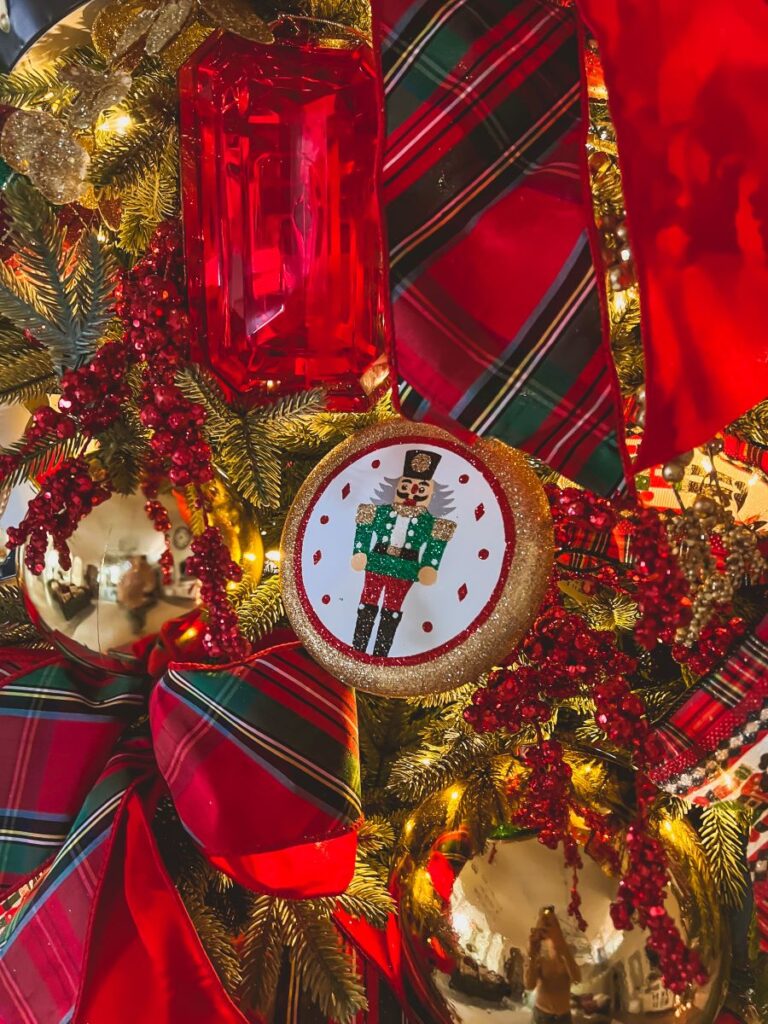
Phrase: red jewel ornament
[282,222]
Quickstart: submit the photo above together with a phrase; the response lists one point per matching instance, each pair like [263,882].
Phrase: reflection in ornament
[487,937]
[113,597]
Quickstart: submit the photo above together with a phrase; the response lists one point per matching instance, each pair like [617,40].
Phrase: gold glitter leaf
[134,31]
[36,144]
[239,17]
[168,24]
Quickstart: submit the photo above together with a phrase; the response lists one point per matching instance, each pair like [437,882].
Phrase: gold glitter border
[517,604]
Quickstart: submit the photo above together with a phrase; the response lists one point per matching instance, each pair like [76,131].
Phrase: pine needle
[37,457]
[262,609]
[262,954]
[152,198]
[723,831]
[26,371]
[375,835]
[12,611]
[323,967]
[367,896]
[29,87]
[129,158]
[63,299]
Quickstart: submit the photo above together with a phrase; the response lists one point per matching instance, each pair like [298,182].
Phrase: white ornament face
[413,562]
[468,566]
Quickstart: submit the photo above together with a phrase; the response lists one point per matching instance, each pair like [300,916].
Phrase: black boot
[386,634]
[366,616]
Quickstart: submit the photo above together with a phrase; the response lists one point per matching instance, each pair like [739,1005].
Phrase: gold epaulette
[443,529]
[365,514]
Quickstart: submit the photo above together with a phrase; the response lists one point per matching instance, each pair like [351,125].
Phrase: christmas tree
[320,702]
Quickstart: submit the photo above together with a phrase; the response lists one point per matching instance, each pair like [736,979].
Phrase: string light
[117,123]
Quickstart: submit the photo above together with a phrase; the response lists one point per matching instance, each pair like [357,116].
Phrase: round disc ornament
[413,562]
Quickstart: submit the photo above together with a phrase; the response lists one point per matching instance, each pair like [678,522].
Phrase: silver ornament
[673,472]
[496,945]
[113,597]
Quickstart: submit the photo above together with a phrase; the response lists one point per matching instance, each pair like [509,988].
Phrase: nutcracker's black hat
[420,465]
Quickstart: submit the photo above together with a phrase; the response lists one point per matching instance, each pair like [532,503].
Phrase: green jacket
[424,544]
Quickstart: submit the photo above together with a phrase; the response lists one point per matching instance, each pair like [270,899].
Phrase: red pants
[394,590]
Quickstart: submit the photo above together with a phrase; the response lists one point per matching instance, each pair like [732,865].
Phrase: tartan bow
[261,763]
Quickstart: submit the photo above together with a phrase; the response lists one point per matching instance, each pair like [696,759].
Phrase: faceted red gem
[282,221]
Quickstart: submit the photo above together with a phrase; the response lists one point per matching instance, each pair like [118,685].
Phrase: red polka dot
[464,478]
[376,463]
[483,553]
[427,627]
[326,598]
[323,520]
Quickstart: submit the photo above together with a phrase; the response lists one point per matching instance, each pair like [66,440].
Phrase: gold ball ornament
[412,562]
[468,910]
[236,520]
[113,597]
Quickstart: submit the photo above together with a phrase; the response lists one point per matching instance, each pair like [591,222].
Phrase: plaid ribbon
[52,715]
[496,317]
[716,748]
[43,945]
[261,762]
[288,730]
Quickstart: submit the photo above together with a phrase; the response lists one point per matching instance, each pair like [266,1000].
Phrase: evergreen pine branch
[723,832]
[419,773]
[323,967]
[127,159]
[122,452]
[63,301]
[152,198]
[292,407]
[26,371]
[262,609]
[309,435]
[251,461]
[241,438]
[375,835]
[461,694]
[367,896]
[93,286]
[200,387]
[217,941]
[29,87]
[22,635]
[45,266]
[262,953]
[39,456]
[12,611]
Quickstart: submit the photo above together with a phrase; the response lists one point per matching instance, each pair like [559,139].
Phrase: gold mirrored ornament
[487,938]
[238,523]
[113,597]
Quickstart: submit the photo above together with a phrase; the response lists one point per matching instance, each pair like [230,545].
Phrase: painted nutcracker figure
[400,540]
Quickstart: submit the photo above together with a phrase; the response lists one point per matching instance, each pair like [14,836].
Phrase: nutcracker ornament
[454,546]
[399,542]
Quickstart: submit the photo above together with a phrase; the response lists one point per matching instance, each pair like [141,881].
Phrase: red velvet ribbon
[686,84]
